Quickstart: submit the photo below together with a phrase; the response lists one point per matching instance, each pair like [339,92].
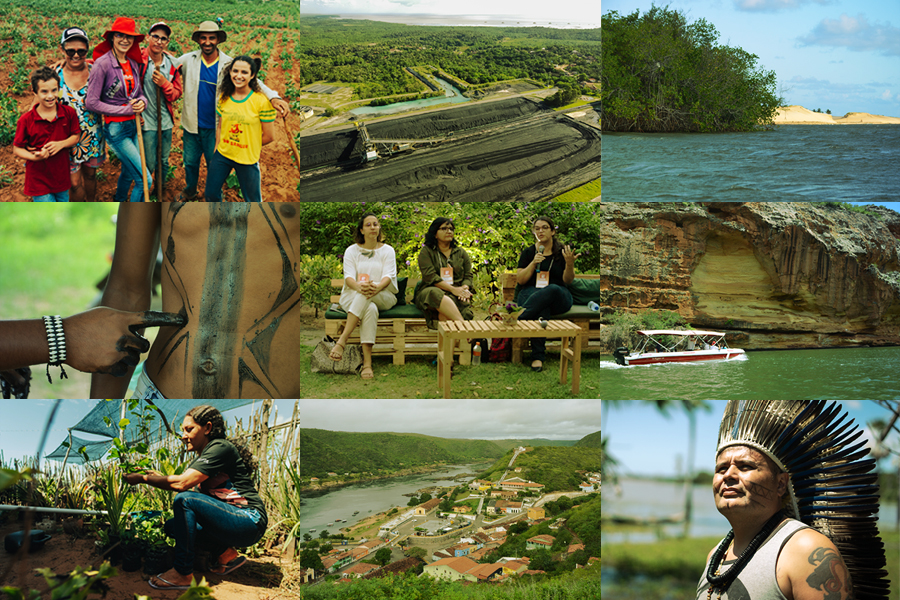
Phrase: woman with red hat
[115,91]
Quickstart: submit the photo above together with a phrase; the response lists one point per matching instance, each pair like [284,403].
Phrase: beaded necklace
[721,582]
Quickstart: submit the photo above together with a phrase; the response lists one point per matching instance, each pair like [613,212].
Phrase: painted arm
[130,278]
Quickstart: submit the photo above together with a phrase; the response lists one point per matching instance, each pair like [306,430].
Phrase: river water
[451,96]
[653,499]
[371,497]
[791,163]
[831,374]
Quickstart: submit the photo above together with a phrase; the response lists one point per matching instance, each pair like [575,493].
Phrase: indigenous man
[203,70]
[231,270]
[766,452]
[160,72]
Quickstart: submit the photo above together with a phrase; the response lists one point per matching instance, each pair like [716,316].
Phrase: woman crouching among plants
[225,511]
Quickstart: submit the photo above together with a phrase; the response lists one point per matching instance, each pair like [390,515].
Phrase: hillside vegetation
[322,451]
[553,466]
[592,440]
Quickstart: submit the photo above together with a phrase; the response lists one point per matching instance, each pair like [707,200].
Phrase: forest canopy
[663,74]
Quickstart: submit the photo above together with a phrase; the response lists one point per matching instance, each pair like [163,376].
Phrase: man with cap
[90,151]
[799,503]
[160,72]
[203,70]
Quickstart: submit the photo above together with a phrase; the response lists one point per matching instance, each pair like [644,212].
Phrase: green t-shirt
[229,478]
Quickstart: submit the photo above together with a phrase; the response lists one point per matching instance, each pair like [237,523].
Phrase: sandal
[367,373]
[336,357]
[229,566]
[168,584]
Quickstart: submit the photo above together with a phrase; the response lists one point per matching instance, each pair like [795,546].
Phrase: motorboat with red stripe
[678,345]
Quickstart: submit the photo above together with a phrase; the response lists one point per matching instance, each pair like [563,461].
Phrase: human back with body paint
[232,270]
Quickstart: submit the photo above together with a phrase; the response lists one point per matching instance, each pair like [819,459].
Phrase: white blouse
[382,263]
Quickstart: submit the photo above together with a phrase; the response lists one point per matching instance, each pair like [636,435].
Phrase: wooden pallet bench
[401,331]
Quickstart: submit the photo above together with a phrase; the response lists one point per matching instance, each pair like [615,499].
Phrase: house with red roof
[539,541]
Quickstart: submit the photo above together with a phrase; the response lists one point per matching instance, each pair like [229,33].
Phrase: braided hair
[204,414]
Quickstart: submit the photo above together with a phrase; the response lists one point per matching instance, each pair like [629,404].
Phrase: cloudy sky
[842,55]
[474,419]
[559,12]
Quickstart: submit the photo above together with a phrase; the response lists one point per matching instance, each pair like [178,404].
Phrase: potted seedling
[131,551]
[151,532]
[115,497]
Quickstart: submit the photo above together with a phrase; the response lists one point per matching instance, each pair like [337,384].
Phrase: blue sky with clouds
[645,442]
[838,55]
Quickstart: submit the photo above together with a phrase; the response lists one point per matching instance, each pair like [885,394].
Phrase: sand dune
[797,115]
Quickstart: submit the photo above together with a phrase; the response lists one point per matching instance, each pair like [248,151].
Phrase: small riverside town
[485,531]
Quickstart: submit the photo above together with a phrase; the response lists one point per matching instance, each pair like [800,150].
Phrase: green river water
[833,374]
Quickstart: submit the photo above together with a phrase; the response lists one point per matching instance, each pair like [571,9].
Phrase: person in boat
[445,291]
[370,285]
[224,512]
[763,465]
[545,270]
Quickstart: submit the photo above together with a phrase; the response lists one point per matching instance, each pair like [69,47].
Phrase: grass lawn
[418,379]
[671,568]
[51,257]
[586,193]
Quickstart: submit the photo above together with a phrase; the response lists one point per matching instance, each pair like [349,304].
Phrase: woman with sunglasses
[445,291]
[90,151]
[116,92]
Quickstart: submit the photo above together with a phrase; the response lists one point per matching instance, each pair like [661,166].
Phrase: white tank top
[757,581]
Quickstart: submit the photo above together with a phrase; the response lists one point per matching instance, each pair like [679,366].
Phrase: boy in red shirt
[41,136]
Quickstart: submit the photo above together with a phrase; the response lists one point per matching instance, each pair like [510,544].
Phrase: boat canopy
[684,332]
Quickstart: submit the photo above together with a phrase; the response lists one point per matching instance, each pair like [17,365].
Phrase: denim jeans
[122,138]
[207,523]
[150,149]
[57,197]
[195,145]
[545,302]
[218,171]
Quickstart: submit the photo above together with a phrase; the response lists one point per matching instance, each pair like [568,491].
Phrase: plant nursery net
[103,420]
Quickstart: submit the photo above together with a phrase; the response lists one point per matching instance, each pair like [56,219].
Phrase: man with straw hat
[203,70]
[801,501]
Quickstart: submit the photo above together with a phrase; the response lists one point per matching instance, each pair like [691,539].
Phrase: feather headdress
[833,488]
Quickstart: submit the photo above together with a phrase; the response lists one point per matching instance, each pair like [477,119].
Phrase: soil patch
[259,579]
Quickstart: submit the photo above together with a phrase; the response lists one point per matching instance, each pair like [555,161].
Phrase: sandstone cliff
[772,274]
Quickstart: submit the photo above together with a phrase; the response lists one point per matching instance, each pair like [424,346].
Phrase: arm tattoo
[830,575]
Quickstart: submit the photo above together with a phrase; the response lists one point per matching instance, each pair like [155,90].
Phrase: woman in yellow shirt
[245,125]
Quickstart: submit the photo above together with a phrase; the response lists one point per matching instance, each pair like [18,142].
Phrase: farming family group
[445,292]
[81,106]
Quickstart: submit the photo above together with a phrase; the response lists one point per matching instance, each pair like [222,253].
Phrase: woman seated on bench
[446,287]
[544,283]
[370,285]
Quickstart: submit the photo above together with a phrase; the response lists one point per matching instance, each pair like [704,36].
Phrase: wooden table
[451,331]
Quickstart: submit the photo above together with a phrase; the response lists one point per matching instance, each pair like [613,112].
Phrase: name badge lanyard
[543,278]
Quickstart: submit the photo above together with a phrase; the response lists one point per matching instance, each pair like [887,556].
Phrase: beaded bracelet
[56,342]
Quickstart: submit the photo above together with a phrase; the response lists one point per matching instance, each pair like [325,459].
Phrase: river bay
[829,374]
[370,497]
[645,499]
[801,163]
